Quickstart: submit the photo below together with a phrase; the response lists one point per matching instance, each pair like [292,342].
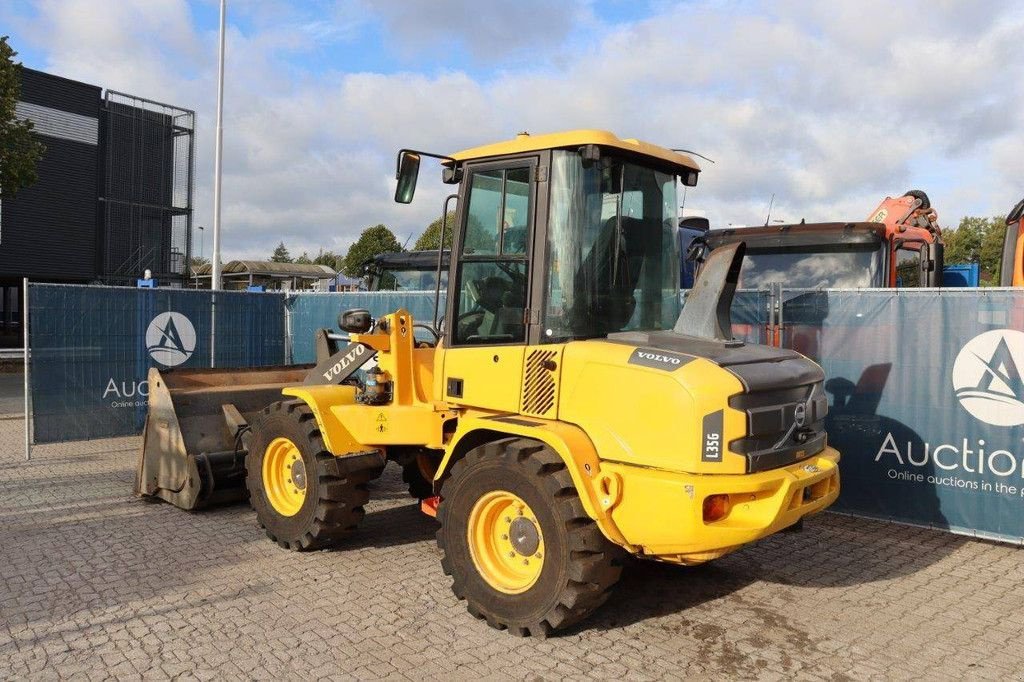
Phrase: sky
[827,106]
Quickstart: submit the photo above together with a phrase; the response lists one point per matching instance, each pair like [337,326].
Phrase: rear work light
[716,507]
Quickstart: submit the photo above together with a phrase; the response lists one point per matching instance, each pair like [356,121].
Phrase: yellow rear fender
[599,491]
[321,399]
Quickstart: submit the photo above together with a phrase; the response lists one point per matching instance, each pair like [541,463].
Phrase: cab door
[489,294]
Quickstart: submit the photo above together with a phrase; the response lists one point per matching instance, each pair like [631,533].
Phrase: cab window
[908,267]
[493,267]
[498,205]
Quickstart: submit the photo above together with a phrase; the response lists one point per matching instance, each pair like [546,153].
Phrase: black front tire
[581,566]
[336,487]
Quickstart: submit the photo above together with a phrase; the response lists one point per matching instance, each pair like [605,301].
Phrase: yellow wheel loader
[565,411]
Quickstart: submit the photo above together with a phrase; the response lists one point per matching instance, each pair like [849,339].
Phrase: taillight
[716,507]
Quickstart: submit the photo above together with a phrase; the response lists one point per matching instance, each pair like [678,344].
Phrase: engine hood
[678,402]
[759,368]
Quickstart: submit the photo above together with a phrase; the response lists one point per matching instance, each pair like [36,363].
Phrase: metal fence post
[213,329]
[28,399]
[287,329]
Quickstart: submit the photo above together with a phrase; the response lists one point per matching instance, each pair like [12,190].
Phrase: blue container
[961,275]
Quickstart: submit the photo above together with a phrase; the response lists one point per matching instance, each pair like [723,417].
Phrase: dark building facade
[113,197]
[48,231]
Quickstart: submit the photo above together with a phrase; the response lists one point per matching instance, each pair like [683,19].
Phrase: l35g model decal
[712,444]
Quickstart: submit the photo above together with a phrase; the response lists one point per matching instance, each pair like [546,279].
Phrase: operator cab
[560,238]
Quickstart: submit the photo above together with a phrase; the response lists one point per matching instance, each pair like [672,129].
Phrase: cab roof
[803,234]
[572,139]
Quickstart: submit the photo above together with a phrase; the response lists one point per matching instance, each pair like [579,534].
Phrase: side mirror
[698,250]
[408,172]
[451,176]
[355,321]
[933,263]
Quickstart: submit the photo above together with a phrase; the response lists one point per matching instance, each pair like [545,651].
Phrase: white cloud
[489,32]
[829,106]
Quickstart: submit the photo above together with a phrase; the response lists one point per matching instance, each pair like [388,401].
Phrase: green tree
[304,259]
[431,236]
[373,241]
[477,237]
[977,240]
[281,254]
[328,258]
[19,150]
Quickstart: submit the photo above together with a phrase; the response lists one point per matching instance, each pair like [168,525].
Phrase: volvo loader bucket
[197,427]
[193,449]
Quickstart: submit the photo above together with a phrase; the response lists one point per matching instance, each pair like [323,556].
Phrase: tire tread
[342,489]
[595,564]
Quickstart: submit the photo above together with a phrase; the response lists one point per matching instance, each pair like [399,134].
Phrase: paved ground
[11,393]
[95,584]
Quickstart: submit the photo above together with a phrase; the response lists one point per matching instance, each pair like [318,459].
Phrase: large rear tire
[517,542]
[305,497]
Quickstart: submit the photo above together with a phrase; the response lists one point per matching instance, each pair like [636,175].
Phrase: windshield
[830,266]
[613,258]
[407,280]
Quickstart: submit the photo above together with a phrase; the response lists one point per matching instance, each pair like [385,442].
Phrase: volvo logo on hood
[658,359]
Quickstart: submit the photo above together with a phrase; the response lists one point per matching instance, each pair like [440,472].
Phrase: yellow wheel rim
[284,477]
[505,542]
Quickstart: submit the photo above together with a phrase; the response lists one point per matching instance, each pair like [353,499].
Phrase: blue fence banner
[925,386]
[750,315]
[926,402]
[92,347]
[308,312]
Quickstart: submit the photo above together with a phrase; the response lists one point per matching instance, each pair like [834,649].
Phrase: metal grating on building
[146,191]
[56,123]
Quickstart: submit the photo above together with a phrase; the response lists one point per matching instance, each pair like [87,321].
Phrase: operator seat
[499,304]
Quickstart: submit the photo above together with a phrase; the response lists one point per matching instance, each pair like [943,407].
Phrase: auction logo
[987,377]
[170,339]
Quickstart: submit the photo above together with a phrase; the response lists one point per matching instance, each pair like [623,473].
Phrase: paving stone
[96,585]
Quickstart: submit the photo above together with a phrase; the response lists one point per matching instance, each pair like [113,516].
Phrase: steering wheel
[461,321]
[427,327]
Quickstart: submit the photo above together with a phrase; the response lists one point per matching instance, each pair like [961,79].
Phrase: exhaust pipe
[706,312]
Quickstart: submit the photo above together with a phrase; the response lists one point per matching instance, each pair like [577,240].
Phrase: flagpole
[215,280]
[215,272]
